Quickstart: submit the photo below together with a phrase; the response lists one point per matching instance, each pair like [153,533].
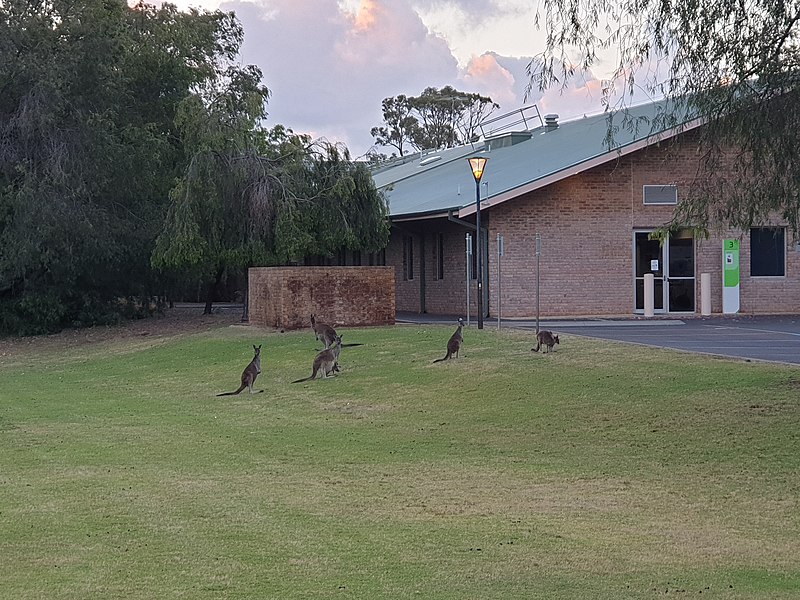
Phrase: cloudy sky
[330,63]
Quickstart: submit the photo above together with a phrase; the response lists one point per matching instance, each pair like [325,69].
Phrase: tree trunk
[246,307]
[213,285]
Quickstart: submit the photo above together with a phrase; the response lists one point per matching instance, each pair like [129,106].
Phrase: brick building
[593,208]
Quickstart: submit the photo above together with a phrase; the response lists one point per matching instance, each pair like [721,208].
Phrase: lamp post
[477,164]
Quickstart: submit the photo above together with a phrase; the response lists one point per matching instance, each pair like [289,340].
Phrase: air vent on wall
[660,194]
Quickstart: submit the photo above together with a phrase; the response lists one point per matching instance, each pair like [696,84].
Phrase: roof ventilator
[551,121]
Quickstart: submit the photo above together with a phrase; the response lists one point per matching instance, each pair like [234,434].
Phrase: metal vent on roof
[507,139]
[551,121]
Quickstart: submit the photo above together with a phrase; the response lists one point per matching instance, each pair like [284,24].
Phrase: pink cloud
[329,69]
[486,76]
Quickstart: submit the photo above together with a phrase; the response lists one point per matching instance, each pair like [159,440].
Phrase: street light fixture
[478,164]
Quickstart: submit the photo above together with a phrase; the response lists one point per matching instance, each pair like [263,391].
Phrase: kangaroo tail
[350,345]
[233,393]
[304,379]
[537,348]
[446,356]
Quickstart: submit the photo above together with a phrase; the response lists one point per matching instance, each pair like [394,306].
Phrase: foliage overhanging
[733,63]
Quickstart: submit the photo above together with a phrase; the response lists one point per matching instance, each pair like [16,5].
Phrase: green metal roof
[438,182]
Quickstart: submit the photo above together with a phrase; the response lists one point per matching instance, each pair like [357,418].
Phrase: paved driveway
[751,338]
[770,338]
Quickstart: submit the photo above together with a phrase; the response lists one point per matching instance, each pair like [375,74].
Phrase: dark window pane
[767,256]
[681,257]
[681,295]
[658,294]
[647,251]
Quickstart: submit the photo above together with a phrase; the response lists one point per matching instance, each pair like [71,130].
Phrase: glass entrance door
[648,258]
[679,274]
[673,268]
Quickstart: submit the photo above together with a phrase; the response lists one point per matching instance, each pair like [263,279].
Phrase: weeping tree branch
[735,64]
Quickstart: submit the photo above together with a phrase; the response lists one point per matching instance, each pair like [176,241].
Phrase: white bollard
[649,295]
[705,294]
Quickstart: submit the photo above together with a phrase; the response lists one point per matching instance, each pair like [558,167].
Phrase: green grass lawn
[599,471]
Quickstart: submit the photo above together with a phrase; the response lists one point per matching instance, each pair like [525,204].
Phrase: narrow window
[439,256]
[408,257]
[767,252]
[660,194]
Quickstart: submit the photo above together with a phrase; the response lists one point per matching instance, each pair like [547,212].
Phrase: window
[767,252]
[408,257]
[439,256]
[660,194]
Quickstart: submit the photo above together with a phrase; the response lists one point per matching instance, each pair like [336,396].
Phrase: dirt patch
[174,321]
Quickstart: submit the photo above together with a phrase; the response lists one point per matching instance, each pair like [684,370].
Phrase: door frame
[665,275]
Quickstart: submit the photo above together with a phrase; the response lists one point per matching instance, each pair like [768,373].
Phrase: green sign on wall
[730,268]
[730,276]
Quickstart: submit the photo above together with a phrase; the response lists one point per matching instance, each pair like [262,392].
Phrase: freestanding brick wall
[285,297]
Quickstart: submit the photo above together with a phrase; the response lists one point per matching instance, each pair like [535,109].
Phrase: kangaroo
[326,361]
[547,339]
[454,343]
[249,374]
[323,332]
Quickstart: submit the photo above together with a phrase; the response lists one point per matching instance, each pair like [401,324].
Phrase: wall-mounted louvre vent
[660,194]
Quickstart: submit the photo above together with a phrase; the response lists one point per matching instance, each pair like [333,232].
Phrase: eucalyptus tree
[735,64]
[437,118]
[400,127]
[449,117]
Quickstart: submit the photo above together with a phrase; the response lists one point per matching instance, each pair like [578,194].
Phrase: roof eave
[432,214]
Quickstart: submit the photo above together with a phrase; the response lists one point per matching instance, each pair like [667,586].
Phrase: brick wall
[285,297]
[587,223]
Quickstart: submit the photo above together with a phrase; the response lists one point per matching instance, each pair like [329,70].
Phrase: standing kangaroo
[326,361]
[249,374]
[547,339]
[323,332]
[454,343]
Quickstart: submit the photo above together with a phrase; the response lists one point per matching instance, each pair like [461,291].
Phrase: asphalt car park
[765,338]
[761,338]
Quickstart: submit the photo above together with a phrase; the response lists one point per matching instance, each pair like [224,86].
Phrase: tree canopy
[132,137]
[735,64]
[268,197]
[437,118]
[88,96]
